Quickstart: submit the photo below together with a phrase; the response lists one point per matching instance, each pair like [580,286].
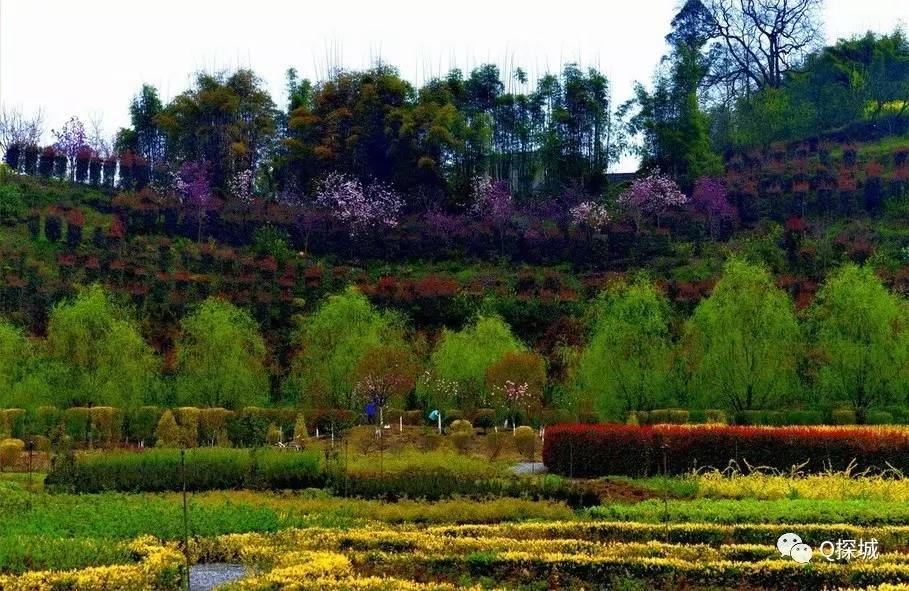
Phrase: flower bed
[160,568]
[560,555]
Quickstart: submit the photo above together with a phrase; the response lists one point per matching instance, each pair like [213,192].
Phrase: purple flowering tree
[492,204]
[193,182]
[652,195]
[360,208]
[492,201]
[709,198]
[70,140]
[589,216]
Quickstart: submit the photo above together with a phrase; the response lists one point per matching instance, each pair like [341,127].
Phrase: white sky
[89,58]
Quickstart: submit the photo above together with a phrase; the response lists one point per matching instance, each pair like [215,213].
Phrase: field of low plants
[310,540]
[398,516]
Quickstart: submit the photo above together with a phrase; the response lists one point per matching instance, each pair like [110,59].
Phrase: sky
[89,58]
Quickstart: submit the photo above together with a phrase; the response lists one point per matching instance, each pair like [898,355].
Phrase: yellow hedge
[159,570]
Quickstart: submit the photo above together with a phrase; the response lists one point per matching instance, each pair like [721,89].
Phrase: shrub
[273,436]
[106,424]
[213,424]
[460,425]
[77,423]
[716,416]
[804,417]
[12,421]
[880,417]
[47,420]
[159,470]
[188,418]
[52,227]
[430,441]
[277,470]
[678,416]
[300,431]
[206,469]
[168,433]
[495,441]
[842,416]
[142,424]
[597,450]
[525,439]
[10,449]
[462,439]
[483,418]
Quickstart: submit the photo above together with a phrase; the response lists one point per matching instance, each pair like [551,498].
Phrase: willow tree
[332,344]
[221,358]
[744,341]
[461,359]
[99,344]
[628,364]
[861,332]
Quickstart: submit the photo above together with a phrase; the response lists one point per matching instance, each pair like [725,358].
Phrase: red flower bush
[597,450]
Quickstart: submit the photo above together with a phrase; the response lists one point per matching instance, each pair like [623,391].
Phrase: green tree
[221,358]
[228,121]
[743,342]
[675,131]
[628,364]
[143,112]
[861,331]
[462,358]
[332,344]
[99,344]
[14,353]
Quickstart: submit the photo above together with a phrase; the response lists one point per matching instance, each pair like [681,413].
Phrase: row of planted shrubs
[160,470]
[597,450]
[827,416]
[106,426]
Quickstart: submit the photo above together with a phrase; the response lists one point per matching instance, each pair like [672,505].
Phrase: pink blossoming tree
[709,198]
[360,208]
[652,195]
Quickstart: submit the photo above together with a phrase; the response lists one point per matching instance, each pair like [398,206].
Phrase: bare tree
[763,39]
[97,140]
[16,128]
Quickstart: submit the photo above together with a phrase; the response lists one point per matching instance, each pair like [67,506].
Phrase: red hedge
[598,450]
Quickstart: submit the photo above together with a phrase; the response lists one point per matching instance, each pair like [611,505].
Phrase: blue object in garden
[371,410]
[434,415]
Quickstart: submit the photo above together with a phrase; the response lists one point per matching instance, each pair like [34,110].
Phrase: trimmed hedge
[629,450]
[158,470]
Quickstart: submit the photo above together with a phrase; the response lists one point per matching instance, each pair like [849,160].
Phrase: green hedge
[159,470]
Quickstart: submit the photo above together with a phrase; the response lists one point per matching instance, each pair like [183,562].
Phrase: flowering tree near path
[652,195]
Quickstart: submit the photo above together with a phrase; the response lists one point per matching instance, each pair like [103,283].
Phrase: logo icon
[790,544]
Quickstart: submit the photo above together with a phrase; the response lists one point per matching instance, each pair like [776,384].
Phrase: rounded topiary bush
[168,433]
[10,449]
[462,440]
[495,441]
[460,425]
[525,440]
